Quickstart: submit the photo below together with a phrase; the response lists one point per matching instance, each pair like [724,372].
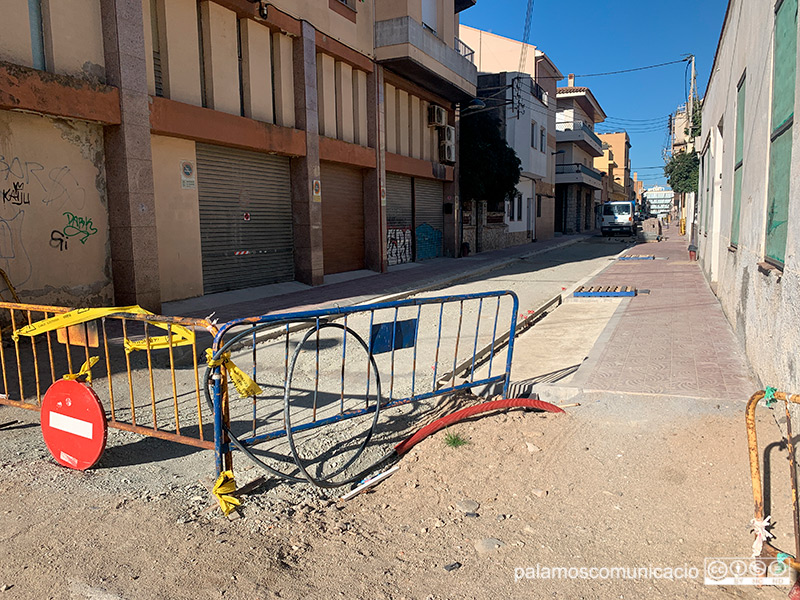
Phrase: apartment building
[578,183]
[748,220]
[619,143]
[527,114]
[658,200]
[155,150]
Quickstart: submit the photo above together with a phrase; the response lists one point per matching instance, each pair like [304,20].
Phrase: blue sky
[590,36]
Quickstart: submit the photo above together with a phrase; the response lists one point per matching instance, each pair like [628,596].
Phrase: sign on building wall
[188,179]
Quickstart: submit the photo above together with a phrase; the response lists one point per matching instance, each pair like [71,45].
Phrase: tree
[697,121]
[683,172]
[489,168]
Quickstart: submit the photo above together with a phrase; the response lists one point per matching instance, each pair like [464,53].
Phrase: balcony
[578,132]
[406,47]
[578,173]
[464,50]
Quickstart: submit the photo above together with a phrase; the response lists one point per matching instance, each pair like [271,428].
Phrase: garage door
[429,213]
[399,220]
[245,218]
[342,218]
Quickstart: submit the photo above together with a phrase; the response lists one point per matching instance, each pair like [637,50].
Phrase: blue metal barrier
[396,337]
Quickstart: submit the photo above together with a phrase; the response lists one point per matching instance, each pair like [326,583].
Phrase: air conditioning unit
[448,134]
[447,152]
[437,116]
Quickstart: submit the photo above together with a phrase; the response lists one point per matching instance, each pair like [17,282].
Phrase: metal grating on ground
[638,257]
[604,291]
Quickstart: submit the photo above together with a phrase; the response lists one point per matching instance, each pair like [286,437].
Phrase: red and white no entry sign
[73,424]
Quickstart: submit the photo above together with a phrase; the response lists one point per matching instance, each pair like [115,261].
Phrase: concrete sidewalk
[398,282]
[674,340]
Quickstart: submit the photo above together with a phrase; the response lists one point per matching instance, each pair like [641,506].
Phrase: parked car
[618,218]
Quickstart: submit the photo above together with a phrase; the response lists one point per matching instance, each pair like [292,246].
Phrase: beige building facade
[155,150]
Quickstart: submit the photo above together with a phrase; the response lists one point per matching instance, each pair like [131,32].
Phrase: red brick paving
[674,340]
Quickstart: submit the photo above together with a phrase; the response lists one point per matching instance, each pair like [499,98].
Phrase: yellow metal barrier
[149,384]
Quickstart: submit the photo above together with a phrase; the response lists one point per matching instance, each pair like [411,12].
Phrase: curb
[468,275]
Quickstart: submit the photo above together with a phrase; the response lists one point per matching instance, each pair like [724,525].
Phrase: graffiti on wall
[29,184]
[399,246]
[429,242]
[16,194]
[56,186]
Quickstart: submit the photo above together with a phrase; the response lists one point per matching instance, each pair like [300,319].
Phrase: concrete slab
[554,349]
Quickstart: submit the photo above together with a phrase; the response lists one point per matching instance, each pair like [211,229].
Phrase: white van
[618,218]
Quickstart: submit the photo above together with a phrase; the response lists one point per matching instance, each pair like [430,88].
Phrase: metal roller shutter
[342,218]
[245,218]
[429,214]
[399,219]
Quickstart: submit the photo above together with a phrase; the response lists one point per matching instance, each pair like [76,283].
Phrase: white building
[523,122]
[658,200]
[528,124]
[748,221]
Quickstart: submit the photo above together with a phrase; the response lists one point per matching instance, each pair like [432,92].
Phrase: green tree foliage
[697,120]
[683,172]
[489,168]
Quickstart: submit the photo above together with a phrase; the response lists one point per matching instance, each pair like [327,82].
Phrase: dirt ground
[612,483]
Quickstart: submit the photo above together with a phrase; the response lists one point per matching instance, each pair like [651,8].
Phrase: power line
[637,120]
[673,62]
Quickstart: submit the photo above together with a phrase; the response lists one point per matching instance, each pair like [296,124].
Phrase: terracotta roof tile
[571,90]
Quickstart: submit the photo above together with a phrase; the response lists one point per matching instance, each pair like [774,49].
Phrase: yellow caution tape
[223,488]
[181,336]
[241,380]
[86,370]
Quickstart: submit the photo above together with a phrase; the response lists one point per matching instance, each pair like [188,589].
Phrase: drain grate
[604,291]
[638,257]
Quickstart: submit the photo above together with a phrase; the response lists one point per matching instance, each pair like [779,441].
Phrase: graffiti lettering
[398,248]
[59,186]
[58,240]
[14,257]
[15,194]
[78,226]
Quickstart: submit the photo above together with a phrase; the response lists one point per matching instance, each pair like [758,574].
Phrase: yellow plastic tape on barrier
[181,336]
[223,488]
[241,380]
[86,370]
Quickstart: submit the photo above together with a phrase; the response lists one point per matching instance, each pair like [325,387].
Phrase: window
[511,206]
[156,34]
[738,159]
[706,195]
[542,139]
[538,205]
[519,207]
[784,71]
[430,15]
[37,34]
[534,133]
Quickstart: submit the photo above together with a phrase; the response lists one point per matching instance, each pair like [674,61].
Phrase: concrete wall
[220,57]
[180,50]
[73,38]
[54,216]
[71,32]
[759,301]
[177,220]
[494,53]
[358,35]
